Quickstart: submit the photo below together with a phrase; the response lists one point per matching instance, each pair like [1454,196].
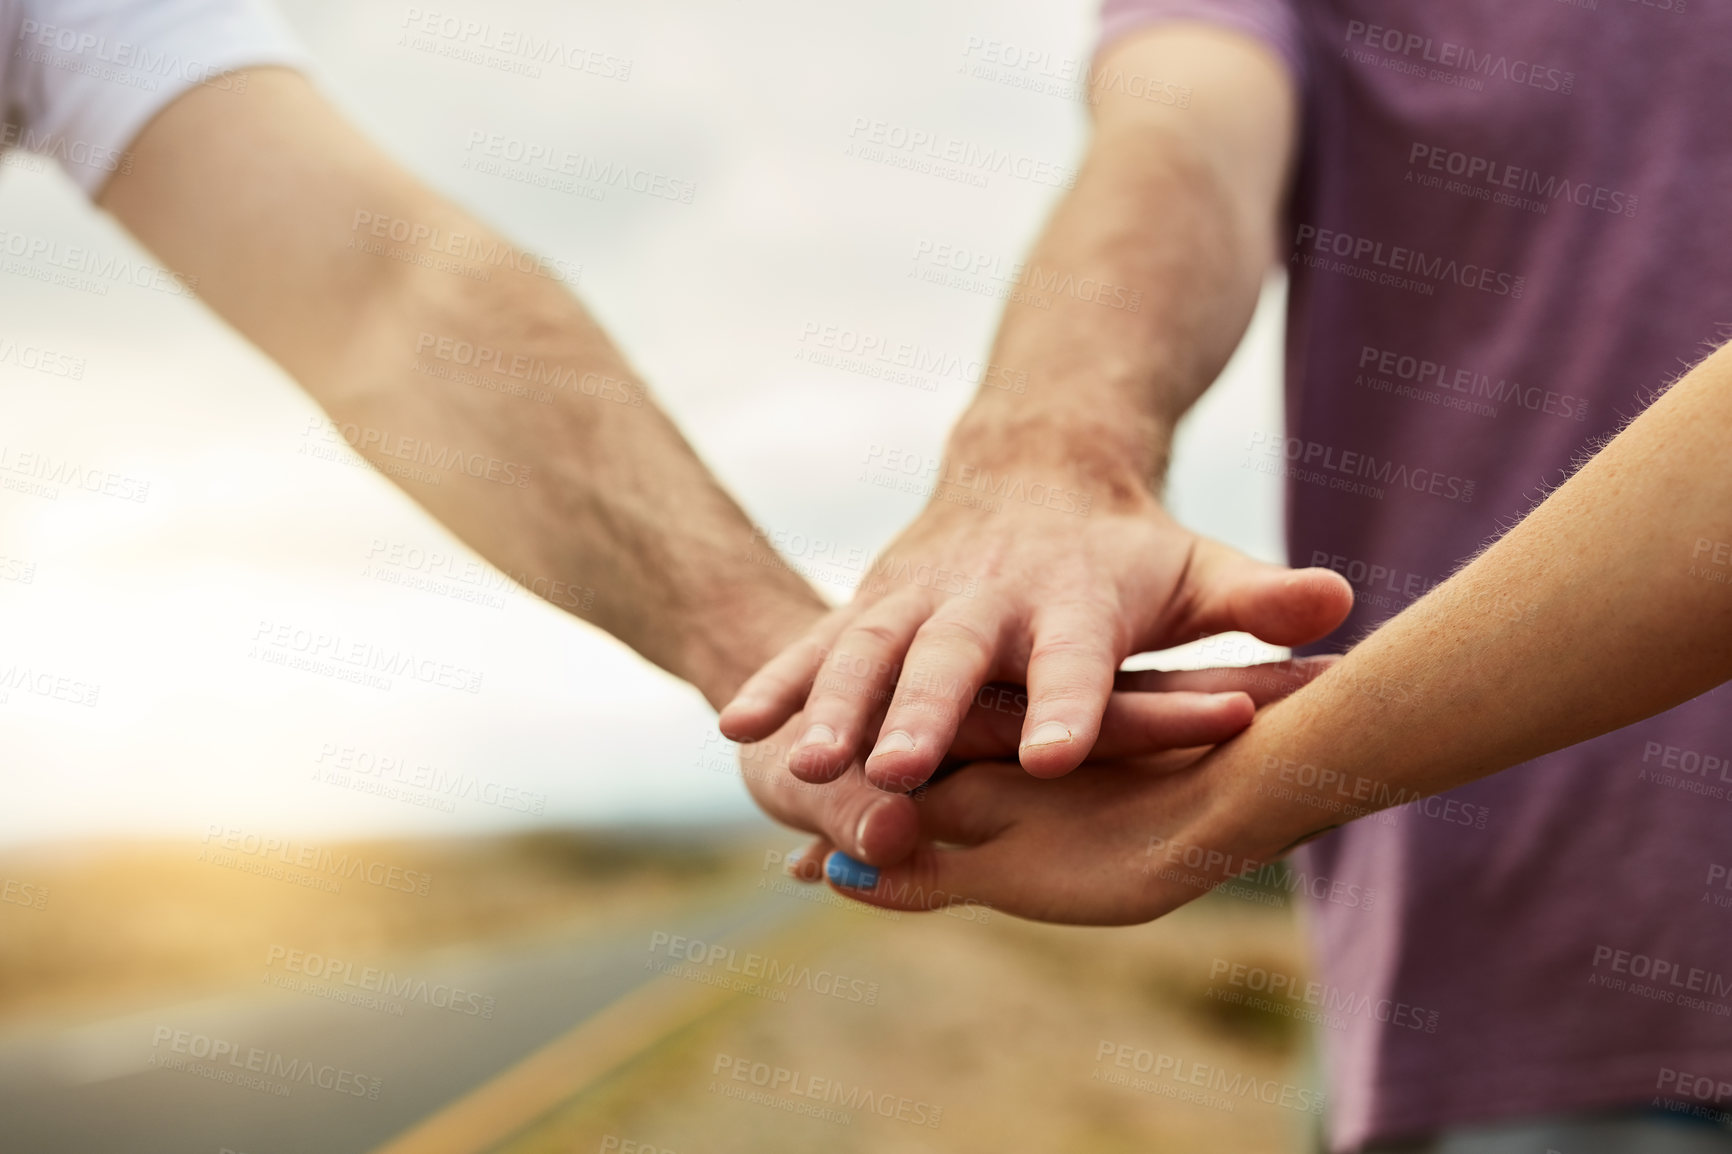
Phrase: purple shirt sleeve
[1272,21]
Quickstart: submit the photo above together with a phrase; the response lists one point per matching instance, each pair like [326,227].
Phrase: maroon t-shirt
[1511,224]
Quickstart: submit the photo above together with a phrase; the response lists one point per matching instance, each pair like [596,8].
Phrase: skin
[252,192]
[1601,608]
[1065,596]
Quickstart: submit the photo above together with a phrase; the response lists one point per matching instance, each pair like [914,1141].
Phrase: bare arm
[285,214]
[1175,209]
[1607,604]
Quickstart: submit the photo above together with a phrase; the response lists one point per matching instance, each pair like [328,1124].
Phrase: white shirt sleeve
[81,78]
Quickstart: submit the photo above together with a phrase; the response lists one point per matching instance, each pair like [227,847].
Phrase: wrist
[1112,465]
[1266,803]
[732,637]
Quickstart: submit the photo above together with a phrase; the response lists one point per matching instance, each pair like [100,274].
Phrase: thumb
[1229,591]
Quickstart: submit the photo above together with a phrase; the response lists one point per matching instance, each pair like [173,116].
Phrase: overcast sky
[150,610]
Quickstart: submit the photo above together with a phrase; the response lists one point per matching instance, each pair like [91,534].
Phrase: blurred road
[93,1089]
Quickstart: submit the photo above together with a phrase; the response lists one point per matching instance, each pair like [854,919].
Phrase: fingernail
[1048,733]
[895,741]
[819,734]
[860,827]
[848,873]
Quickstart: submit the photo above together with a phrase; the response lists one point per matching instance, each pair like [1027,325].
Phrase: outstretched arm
[355,277]
[1607,604]
[1130,305]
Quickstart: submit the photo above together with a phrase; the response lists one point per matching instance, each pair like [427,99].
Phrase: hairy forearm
[463,368]
[1147,274]
[1605,605]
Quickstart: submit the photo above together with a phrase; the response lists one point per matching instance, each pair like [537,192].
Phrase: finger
[1266,683]
[1137,721]
[853,682]
[971,881]
[807,865]
[875,826]
[1229,591]
[775,693]
[952,654]
[1075,653]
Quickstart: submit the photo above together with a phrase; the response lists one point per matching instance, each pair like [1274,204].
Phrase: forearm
[543,452]
[1606,605]
[1147,274]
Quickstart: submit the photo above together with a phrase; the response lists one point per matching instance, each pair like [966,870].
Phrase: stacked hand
[880,693]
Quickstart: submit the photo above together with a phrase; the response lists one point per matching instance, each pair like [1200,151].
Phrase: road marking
[566,1066]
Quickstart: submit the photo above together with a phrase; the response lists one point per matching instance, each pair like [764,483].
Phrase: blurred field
[997,1025]
[123,925]
[1012,1037]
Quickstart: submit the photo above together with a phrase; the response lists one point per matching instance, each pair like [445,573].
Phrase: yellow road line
[560,1070]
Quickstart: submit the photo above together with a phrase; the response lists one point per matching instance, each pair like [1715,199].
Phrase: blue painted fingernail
[848,873]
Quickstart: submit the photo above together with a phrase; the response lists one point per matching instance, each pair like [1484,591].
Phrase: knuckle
[958,633]
[868,635]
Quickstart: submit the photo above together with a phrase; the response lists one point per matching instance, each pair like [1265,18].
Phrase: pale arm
[267,198]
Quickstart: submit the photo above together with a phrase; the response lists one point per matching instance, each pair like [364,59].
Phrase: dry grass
[999,1024]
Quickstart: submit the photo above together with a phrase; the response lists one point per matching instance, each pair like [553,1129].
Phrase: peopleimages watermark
[1707,775]
[1203,867]
[948,157]
[1354,795]
[503,48]
[1499,182]
[42,359]
[490,369]
[1202,1084]
[773,877]
[960,483]
[896,362]
[321,867]
[82,269]
[463,577]
[1697,1095]
[614,1144]
[813,1096]
[369,987]
[558,169]
[69,151]
[1459,65]
[415,781]
[1320,1003]
[1711,560]
[432,246]
[1664,980]
[22,677]
[33,896]
[122,62]
[37,474]
[410,458]
[713,964]
[253,1067]
[1349,471]
[1397,266]
[17,569]
[360,662]
[839,563]
[1458,387]
[1386,587]
[972,270]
